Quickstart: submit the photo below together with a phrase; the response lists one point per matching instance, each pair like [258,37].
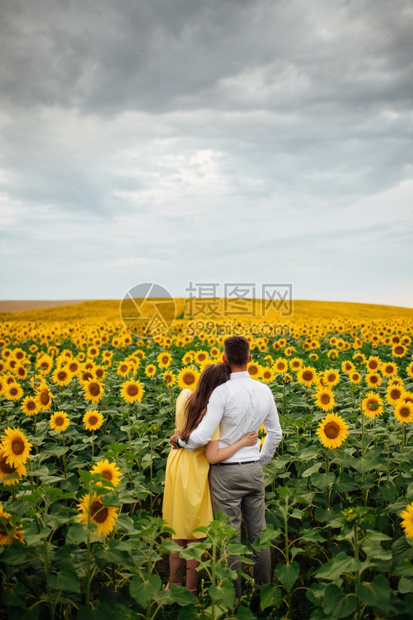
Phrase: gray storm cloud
[188,140]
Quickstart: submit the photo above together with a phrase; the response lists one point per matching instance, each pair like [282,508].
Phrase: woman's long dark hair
[211,377]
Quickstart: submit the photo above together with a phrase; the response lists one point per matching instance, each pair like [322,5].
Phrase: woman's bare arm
[216,455]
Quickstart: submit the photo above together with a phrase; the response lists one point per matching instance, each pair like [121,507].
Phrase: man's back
[239,406]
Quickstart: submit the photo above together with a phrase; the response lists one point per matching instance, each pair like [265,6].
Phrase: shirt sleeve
[273,432]
[209,423]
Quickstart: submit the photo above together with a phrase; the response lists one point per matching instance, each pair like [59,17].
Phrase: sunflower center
[17,446]
[5,468]
[404,412]
[332,430]
[395,394]
[253,370]
[44,398]
[59,421]
[188,378]
[61,375]
[307,375]
[325,399]
[372,405]
[31,405]
[13,391]
[280,366]
[373,379]
[98,512]
[106,473]
[373,365]
[201,357]
[165,360]
[87,375]
[94,389]
[93,420]
[399,349]
[132,390]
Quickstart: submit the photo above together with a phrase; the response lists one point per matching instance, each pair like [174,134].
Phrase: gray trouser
[239,492]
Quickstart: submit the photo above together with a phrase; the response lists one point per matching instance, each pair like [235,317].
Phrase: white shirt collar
[240,375]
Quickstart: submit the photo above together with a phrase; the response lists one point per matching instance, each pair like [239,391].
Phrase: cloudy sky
[213,141]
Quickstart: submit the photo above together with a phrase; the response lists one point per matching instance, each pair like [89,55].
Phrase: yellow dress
[187,500]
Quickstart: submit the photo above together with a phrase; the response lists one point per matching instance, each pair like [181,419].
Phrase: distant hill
[107,309]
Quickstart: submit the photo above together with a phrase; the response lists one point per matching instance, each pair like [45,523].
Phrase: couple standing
[218,424]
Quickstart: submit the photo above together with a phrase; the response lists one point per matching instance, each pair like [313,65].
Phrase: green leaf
[311,470]
[376,593]
[143,591]
[15,597]
[245,614]
[181,595]
[67,580]
[223,592]
[405,585]
[338,565]
[269,596]
[336,604]
[269,534]
[404,568]
[287,574]
[322,481]
[389,493]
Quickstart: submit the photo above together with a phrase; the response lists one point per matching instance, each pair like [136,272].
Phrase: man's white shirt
[239,406]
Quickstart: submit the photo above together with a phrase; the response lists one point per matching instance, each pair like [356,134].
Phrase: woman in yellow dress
[187,500]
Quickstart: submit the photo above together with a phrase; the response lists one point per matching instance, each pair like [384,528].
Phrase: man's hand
[177,433]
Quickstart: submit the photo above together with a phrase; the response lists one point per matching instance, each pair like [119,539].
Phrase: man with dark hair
[237,486]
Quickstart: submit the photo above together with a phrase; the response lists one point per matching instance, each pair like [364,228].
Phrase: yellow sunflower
[296,363]
[59,421]
[169,378]
[254,370]
[355,377]
[8,470]
[188,378]
[394,394]
[331,377]
[373,379]
[281,365]
[267,375]
[92,420]
[307,375]
[44,397]
[15,446]
[372,405]
[287,378]
[201,357]
[399,350]
[9,532]
[104,517]
[132,391]
[93,391]
[188,357]
[409,369]
[325,399]
[108,471]
[13,391]
[347,366]
[62,376]
[374,363]
[29,405]
[389,369]
[404,412]
[332,431]
[407,523]
[124,369]
[150,370]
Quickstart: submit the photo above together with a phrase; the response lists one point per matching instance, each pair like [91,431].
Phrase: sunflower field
[86,411]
